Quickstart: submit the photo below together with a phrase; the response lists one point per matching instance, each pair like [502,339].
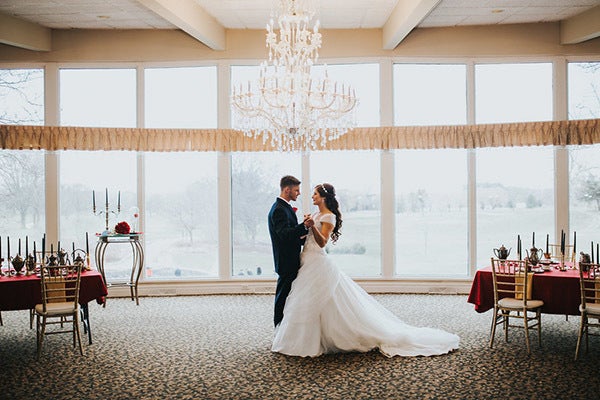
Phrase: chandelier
[286,105]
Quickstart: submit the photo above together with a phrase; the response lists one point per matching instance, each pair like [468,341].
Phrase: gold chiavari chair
[512,291]
[60,306]
[555,254]
[589,285]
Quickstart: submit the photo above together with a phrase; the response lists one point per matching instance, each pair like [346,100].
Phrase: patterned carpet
[217,347]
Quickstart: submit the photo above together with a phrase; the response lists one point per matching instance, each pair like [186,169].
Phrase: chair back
[589,283]
[511,279]
[555,254]
[60,284]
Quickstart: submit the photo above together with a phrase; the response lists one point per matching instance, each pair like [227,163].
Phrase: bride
[327,312]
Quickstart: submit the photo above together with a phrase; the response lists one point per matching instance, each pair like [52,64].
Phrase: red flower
[122,228]
[295,209]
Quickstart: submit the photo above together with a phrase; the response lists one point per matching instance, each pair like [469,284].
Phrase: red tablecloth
[24,292]
[559,290]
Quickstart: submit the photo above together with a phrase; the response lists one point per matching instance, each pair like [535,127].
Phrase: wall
[174,45]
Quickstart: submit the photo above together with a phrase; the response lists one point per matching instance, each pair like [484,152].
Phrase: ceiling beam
[580,27]
[188,16]
[27,35]
[405,17]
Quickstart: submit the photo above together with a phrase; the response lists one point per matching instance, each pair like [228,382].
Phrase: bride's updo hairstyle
[327,191]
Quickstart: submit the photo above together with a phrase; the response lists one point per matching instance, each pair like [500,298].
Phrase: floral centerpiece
[122,228]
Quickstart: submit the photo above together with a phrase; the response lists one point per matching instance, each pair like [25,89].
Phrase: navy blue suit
[286,240]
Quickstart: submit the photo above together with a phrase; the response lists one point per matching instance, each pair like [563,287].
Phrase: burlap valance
[395,137]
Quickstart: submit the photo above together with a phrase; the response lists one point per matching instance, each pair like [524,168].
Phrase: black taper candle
[533,240]
[547,243]
[592,252]
[574,242]
[34,253]
[26,247]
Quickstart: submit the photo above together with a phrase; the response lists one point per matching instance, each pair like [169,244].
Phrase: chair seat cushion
[590,308]
[517,304]
[56,309]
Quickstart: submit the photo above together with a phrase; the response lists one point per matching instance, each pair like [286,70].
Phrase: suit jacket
[286,235]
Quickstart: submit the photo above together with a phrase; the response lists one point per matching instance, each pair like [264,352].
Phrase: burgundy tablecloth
[559,290]
[24,292]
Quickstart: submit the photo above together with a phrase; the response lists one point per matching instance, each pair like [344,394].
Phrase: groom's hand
[308,221]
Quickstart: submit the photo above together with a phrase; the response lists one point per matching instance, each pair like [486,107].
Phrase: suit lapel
[290,211]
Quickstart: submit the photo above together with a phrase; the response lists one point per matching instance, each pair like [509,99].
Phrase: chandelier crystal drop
[286,105]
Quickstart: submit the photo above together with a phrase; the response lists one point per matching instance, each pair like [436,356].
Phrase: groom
[287,237]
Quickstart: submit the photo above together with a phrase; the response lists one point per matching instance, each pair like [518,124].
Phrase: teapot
[63,257]
[584,261]
[533,257]
[18,262]
[30,265]
[502,253]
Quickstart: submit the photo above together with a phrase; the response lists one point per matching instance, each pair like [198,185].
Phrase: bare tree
[21,102]
[21,172]
[590,190]
[585,177]
[250,192]
[22,183]
[193,208]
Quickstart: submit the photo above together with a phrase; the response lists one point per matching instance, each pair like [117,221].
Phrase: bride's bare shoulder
[327,217]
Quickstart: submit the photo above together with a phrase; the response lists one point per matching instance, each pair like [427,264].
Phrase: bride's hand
[308,221]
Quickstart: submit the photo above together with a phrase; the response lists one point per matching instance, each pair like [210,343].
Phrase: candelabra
[106,212]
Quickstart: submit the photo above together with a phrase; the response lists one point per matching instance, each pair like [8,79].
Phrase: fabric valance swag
[547,133]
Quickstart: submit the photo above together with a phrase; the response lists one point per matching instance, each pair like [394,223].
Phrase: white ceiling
[253,14]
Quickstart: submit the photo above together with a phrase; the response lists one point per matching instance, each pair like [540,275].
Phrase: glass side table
[138,259]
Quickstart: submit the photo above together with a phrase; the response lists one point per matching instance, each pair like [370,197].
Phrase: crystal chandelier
[288,106]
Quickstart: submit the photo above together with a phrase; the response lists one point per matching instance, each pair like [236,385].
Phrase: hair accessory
[323,187]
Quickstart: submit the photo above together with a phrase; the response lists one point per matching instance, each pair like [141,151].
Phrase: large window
[431,212]
[181,215]
[181,97]
[179,218]
[359,187]
[430,94]
[364,79]
[356,178]
[22,210]
[181,226]
[584,164]
[83,173]
[431,185]
[514,197]
[97,97]
[514,185]
[513,92]
[254,187]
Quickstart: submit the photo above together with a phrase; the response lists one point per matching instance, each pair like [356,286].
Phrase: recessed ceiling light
[497,11]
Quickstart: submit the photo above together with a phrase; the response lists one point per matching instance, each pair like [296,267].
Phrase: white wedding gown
[327,312]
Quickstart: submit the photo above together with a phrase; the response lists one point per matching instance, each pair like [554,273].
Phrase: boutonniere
[295,209]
